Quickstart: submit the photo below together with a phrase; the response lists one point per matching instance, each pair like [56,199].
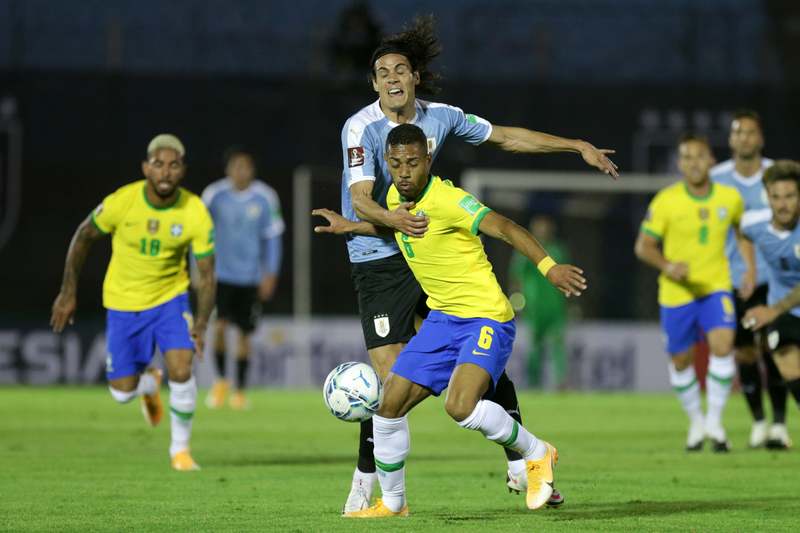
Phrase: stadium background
[89,83]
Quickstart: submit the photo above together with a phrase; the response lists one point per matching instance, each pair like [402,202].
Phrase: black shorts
[785,331]
[388,298]
[745,337]
[239,304]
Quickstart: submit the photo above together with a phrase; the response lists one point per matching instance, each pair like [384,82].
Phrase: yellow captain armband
[545,265]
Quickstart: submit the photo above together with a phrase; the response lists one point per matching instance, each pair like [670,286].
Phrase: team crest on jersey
[722,213]
[382,326]
[253,210]
[773,339]
[703,214]
[152,226]
[431,144]
[176,230]
[355,156]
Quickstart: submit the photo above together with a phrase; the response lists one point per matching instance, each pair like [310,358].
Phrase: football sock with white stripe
[721,371]
[392,443]
[687,388]
[497,425]
[182,403]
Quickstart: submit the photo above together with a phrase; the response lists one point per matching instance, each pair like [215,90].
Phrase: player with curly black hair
[389,296]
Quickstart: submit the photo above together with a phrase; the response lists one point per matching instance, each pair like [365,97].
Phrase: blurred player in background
[153,223]
[466,340]
[249,228]
[388,295]
[777,235]
[691,220]
[744,171]
[545,308]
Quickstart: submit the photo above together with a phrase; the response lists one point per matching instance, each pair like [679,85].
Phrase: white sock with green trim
[498,426]
[392,443]
[687,388]
[718,387]
[182,403]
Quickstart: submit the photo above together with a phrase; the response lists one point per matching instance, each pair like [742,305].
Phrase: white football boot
[758,435]
[360,497]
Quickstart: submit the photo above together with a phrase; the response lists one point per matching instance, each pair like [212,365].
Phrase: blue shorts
[680,324]
[445,341]
[131,336]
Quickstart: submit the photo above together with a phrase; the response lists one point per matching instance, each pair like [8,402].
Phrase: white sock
[182,403]
[392,443]
[122,396]
[517,467]
[718,387]
[687,388]
[498,426]
[147,384]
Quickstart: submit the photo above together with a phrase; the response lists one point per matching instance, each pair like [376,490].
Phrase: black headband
[393,49]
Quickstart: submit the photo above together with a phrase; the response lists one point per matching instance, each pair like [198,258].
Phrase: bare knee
[747,355]
[458,407]
[683,361]
[383,357]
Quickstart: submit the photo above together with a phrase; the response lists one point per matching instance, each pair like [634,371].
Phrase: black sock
[750,378]
[241,372]
[366,448]
[220,363]
[776,389]
[794,388]
[506,397]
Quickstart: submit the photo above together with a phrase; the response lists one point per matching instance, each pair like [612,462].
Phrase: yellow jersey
[449,261]
[149,246]
[693,231]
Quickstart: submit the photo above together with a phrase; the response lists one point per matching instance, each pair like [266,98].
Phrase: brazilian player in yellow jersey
[153,224]
[464,343]
[683,235]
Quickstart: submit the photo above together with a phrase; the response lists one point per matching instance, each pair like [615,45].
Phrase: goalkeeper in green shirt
[545,308]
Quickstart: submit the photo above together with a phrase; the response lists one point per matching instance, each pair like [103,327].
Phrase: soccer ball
[353,392]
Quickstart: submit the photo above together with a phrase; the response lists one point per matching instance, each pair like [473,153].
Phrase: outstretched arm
[206,295]
[565,278]
[340,225]
[522,141]
[66,301]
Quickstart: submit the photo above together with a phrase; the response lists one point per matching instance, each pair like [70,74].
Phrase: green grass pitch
[71,459]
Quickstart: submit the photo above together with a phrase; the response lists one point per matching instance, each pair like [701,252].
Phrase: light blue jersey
[755,197]
[248,226]
[363,144]
[781,252]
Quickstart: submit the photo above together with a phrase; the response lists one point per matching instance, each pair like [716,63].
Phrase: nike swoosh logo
[480,353]
[131,223]
[551,484]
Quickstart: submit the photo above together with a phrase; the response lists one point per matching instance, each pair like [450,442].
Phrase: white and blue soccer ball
[353,392]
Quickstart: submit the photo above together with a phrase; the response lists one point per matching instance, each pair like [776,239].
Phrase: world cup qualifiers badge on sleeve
[355,156]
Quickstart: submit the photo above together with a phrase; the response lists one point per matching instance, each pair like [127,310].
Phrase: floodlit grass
[71,459]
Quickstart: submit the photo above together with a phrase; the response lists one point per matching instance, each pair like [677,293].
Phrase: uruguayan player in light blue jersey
[776,233]
[249,228]
[389,296]
[744,171]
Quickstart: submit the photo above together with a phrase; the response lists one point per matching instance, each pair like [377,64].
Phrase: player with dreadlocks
[388,294]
